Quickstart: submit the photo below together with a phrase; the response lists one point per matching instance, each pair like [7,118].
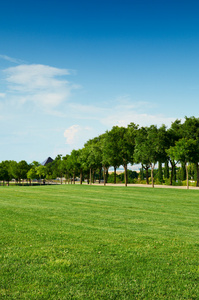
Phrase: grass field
[90,242]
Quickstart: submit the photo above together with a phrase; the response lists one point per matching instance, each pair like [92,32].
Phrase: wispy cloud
[121,113]
[11,59]
[43,85]
[125,117]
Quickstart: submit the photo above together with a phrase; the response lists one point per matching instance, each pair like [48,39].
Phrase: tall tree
[146,149]
[183,151]
[191,131]
[41,172]
[111,150]
[174,133]
[73,163]
[5,171]
[123,140]
[32,173]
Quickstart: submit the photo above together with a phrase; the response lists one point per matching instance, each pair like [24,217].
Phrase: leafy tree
[160,174]
[141,150]
[57,167]
[41,171]
[162,145]
[141,174]
[32,173]
[65,166]
[73,163]
[5,171]
[191,131]
[111,150]
[123,140]
[174,134]
[184,151]
[19,170]
[146,149]
[166,170]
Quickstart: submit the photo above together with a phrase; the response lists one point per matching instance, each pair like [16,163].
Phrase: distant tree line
[123,146]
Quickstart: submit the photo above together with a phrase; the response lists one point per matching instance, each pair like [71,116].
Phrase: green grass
[90,242]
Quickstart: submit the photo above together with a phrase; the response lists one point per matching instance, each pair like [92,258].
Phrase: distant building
[47,161]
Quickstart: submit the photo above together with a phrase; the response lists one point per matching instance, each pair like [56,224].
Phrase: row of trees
[121,146]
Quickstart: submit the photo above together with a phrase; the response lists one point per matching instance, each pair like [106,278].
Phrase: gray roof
[47,161]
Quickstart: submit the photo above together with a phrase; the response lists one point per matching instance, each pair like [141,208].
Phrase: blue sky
[70,70]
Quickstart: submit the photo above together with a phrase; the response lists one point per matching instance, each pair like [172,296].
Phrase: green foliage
[166,170]
[160,174]
[123,146]
[41,171]
[181,174]
[120,178]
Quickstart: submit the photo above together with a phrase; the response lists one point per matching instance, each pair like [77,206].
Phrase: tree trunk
[81,176]
[171,179]
[166,170]
[160,175]
[125,174]
[104,176]
[147,175]
[100,174]
[115,174]
[93,176]
[152,180]
[90,176]
[187,175]
[74,178]
[197,183]
[172,171]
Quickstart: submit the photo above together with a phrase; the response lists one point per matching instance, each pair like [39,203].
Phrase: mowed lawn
[90,242]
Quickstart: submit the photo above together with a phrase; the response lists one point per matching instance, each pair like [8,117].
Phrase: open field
[90,242]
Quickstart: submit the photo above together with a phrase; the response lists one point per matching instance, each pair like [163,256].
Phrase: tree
[41,171]
[174,134]
[65,166]
[120,149]
[32,173]
[73,163]
[5,171]
[146,149]
[191,131]
[166,170]
[160,174]
[19,170]
[111,151]
[58,167]
[184,151]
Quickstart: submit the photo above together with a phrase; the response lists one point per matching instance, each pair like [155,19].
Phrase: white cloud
[126,117]
[76,136]
[2,95]
[39,84]
[71,133]
[121,113]
[32,77]
[11,59]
